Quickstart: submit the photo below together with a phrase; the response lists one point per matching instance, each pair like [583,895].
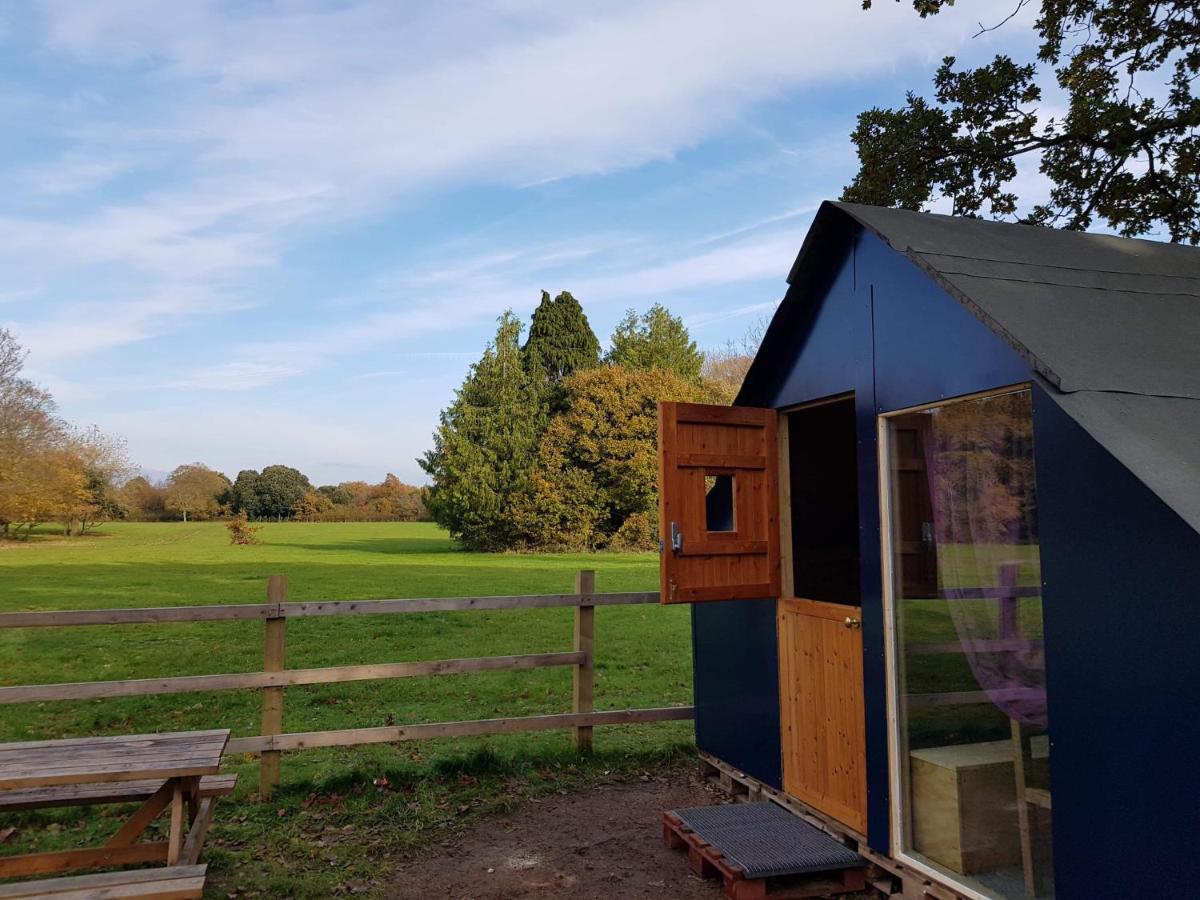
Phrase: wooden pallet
[708,862]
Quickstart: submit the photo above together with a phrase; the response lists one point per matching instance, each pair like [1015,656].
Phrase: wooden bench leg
[195,839]
[175,839]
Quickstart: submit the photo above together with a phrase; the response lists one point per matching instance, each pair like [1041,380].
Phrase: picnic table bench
[172,771]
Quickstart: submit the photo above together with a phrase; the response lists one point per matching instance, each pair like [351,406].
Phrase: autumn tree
[1125,152]
[143,500]
[484,446]
[29,429]
[655,340]
[560,340]
[103,460]
[194,490]
[596,479]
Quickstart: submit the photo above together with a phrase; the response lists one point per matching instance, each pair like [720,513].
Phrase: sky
[256,233]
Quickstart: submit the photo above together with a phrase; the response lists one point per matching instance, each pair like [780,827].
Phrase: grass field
[330,829]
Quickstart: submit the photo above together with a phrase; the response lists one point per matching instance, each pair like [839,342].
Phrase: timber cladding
[718,477]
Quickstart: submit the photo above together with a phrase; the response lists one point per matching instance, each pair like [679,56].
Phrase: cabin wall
[873,324]
[1122,576]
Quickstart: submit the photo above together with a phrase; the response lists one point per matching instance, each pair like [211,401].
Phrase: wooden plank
[272,699]
[584,674]
[190,684]
[196,834]
[213,613]
[720,461]
[104,760]
[762,591]
[724,548]
[175,836]
[140,820]
[91,858]
[395,733]
[102,881]
[706,414]
[101,793]
[462,604]
[213,735]
[219,612]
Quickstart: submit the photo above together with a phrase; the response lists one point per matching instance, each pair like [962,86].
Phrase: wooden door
[718,502]
[821,708]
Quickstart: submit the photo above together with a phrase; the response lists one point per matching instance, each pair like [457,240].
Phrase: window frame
[899,832]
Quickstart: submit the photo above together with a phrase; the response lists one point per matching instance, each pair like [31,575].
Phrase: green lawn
[299,845]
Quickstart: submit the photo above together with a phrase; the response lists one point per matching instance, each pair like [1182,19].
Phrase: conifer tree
[560,340]
[656,340]
[485,445]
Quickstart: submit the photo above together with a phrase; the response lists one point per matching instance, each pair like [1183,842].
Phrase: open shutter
[718,502]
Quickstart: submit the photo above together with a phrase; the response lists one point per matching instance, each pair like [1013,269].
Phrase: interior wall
[1122,575]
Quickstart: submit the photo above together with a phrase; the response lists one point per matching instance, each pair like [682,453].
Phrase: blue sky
[264,233]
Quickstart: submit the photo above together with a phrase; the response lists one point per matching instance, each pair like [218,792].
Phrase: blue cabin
[943,553]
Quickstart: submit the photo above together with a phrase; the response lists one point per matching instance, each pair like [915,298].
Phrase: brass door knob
[851,622]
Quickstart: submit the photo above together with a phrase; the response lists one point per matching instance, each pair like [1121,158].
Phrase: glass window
[970,660]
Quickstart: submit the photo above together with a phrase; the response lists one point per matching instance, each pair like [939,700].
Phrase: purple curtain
[979,464]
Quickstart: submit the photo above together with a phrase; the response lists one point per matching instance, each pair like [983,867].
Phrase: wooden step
[170,883]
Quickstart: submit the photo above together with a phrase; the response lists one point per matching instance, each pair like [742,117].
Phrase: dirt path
[602,843]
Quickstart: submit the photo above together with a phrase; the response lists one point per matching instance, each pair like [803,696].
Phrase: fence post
[272,703]
[585,672]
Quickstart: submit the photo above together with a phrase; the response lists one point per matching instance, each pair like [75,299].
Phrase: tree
[560,340]
[656,340]
[725,367]
[142,500]
[597,470]
[193,489]
[243,493]
[483,449]
[1126,151]
[29,429]
[104,462]
[279,489]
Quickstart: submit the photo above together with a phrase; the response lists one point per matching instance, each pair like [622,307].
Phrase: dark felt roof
[1112,325]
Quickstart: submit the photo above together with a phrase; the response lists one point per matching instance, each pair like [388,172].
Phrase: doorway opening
[823,471]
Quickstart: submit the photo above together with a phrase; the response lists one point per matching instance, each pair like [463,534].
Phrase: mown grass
[331,828]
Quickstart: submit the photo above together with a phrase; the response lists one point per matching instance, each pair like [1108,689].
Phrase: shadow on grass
[489,763]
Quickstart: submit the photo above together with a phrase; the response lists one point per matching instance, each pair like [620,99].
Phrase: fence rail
[274,676]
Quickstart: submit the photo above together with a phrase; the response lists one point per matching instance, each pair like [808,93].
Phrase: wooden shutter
[723,545]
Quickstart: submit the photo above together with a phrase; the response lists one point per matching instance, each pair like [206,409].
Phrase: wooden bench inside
[104,792]
[170,883]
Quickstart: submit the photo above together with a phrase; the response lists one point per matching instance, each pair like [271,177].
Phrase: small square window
[719,508]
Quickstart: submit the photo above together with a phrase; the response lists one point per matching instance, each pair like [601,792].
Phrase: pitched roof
[1111,325]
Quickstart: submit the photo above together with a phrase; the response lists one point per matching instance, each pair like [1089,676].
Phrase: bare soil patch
[602,842]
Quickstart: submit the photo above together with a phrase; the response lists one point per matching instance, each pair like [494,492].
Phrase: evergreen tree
[560,340]
[484,447]
[656,340]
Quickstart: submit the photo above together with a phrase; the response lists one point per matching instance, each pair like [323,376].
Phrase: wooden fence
[275,677]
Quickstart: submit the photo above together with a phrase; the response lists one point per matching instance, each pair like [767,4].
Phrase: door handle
[852,622]
[676,538]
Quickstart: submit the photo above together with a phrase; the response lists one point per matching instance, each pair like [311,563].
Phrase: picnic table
[175,771]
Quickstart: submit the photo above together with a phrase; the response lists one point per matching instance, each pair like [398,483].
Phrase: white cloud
[278,122]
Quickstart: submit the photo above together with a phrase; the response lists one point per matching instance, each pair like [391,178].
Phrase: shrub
[241,531]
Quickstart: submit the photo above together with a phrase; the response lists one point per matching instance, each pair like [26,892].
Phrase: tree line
[550,444]
[52,471]
[195,492]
